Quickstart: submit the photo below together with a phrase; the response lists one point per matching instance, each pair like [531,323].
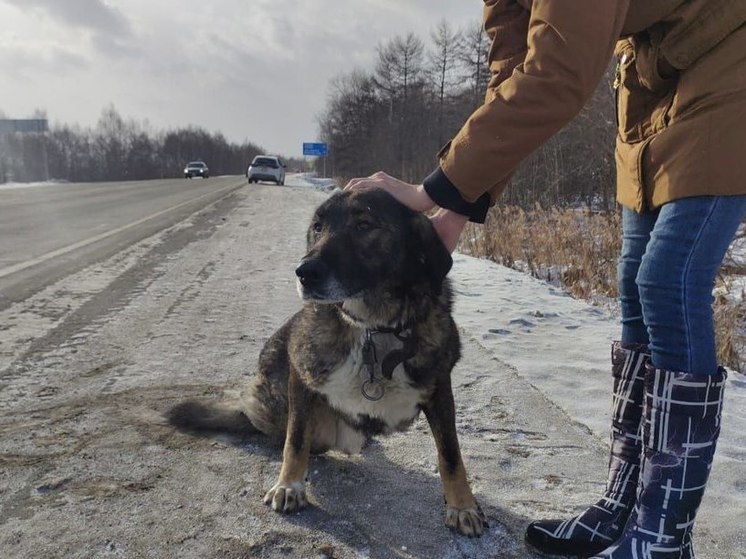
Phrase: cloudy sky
[255,70]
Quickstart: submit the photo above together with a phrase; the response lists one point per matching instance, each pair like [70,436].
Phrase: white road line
[75,246]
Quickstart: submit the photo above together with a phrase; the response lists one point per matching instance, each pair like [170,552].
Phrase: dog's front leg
[289,493]
[462,510]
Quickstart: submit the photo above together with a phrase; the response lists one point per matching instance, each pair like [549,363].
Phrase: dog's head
[364,243]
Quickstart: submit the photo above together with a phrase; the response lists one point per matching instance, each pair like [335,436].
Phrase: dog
[372,347]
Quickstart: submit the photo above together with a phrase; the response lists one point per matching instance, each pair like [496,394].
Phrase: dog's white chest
[344,388]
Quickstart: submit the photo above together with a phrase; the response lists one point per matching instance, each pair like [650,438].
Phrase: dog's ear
[433,261]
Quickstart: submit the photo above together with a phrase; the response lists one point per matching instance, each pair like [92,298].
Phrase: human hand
[411,195]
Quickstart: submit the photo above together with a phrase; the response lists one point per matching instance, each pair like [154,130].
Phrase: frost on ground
[88,467]
[311,179]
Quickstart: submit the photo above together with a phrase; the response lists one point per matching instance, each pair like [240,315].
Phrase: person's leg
[677,275]
[636,229]
[683,384]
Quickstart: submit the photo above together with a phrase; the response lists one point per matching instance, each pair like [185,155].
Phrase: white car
[266,168]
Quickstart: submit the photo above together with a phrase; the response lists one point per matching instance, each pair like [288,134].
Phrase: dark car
[196,169]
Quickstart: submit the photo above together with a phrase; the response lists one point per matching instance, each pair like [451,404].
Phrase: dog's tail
[192,415]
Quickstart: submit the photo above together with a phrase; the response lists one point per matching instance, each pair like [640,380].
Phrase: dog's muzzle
[317,282]
[312,273]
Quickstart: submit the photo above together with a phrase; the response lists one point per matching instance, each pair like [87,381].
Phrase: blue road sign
[26,125]
[314,148]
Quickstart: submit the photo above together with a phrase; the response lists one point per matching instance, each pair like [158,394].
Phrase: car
[196,169]
[266,168]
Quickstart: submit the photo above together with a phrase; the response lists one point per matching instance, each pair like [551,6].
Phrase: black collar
[396,330]
[403,333]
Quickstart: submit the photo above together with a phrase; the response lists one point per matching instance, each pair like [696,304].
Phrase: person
[681,111]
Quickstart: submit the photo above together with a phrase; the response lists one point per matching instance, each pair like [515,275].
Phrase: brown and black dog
[373,345]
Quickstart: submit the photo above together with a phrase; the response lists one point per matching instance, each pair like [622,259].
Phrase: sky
[255,70]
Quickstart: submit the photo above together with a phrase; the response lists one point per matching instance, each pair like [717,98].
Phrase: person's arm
[506,24]
[449,225]
[569,45]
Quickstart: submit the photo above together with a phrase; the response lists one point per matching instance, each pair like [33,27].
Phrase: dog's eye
[317,226]
[364,226]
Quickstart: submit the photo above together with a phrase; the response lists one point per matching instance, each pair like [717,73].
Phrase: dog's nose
[310,272]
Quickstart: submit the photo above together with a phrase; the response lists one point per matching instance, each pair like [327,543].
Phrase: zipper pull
[618,71]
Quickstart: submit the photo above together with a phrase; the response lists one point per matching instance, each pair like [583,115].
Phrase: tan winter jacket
[681,97]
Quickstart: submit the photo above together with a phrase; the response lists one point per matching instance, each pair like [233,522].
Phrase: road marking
[80,244]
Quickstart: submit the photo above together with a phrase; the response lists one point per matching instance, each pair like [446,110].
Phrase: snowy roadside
[14,185]
[310,179]
[562,347]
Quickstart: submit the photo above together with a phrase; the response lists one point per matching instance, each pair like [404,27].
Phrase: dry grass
[578,251]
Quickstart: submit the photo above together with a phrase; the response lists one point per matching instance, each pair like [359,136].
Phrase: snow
[310,179]
[14,185]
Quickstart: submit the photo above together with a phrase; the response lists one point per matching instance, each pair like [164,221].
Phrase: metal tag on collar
[372,390]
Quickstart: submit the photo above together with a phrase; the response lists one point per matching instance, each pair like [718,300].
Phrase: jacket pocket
[643,96]
[633,190]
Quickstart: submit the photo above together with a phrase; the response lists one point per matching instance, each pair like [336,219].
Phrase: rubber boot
[681,428]
[603,523]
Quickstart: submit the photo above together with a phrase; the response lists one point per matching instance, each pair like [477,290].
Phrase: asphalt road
[49,231]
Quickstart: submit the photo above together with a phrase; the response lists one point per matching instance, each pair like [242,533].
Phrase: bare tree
[576,166]
[442,68]
[473,55]
[399,77]
[352,123]
[112,135]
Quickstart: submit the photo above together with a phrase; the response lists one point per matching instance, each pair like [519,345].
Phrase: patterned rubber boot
[603,523]
[681,428]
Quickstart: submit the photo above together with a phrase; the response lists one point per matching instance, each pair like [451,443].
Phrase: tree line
[397,115]
[116,149]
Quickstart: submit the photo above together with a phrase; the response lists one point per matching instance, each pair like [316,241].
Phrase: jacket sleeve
[506,25]
[568,46]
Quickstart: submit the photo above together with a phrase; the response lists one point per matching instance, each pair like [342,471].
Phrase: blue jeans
[666,274]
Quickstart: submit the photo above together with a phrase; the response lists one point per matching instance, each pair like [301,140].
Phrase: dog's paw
[287,497]
[469,522]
